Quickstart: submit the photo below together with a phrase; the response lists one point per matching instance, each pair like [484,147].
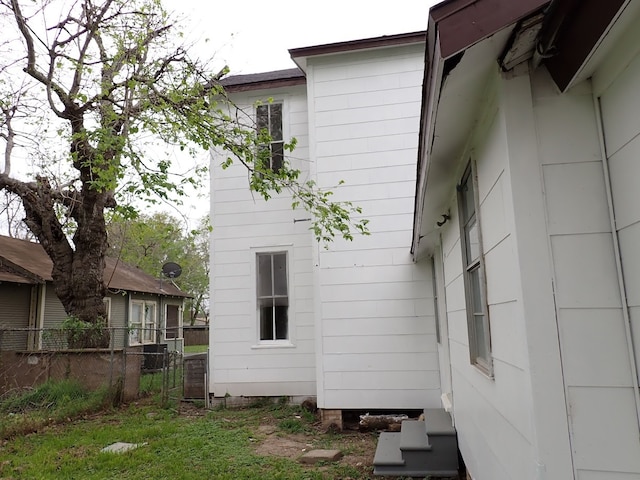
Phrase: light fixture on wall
[445,218]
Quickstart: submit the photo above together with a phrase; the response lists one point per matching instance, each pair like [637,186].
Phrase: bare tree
[98,84]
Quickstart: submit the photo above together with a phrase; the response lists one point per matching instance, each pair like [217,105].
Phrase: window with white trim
[474,276]
[107,307]
[272,291]
[142,322]
[173,323]
[269,121]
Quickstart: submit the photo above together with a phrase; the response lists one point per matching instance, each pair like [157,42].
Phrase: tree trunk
[78,274]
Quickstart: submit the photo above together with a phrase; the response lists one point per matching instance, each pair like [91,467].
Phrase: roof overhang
[264,81]
[301,55]
[464,42]
[577,35]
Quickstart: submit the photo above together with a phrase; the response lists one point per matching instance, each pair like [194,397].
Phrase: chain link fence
[95,357]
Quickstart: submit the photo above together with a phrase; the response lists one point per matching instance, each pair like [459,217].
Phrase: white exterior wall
[595,355]
[243,224]
[492,415]
[376,343]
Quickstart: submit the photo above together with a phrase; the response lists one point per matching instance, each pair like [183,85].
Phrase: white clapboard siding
[491,412]
[378,347]
[243,222]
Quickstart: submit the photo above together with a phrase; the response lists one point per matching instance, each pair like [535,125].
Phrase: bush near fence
[92,369]
[21,367]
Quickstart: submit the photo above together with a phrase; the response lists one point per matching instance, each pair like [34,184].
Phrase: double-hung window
[474,279]
[269,122]
[272,295]
[142,322]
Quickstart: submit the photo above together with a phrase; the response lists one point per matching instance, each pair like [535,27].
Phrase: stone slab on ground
[121,447]
[316,456]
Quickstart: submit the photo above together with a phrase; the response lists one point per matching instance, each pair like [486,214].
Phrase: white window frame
[143,326]
[274,343]
[180,322]
[475,284]
[107,305]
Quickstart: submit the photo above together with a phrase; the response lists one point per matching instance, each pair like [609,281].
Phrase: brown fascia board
[572,29]
[10,267]
[453,27]
[462,23]
[264,81]
[362,44]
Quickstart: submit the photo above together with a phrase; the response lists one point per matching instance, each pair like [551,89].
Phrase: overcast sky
[254,35]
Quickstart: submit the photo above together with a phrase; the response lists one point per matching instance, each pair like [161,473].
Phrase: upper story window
[269,120]
[474,277]
[272,295]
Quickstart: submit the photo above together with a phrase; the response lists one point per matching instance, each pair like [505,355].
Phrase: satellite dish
[171,270]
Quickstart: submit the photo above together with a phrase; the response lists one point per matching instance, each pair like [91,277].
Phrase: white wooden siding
[378,345]
[15,305]
[591,325]
[619,103]
[492,416]
[242,222]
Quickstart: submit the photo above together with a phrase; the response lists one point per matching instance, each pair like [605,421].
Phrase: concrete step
[414,453]
[388,450]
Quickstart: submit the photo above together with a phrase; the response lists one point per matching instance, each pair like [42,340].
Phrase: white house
[528,204]
[524,210]
[353,324]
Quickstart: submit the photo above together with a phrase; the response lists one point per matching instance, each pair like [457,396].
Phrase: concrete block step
[438,422]
[388,450]
[413,436]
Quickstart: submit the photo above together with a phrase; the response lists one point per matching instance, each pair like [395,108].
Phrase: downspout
[616,250]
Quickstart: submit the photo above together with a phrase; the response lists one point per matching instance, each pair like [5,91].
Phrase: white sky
[254,35]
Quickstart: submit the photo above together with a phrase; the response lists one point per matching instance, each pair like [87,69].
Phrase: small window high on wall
[474,276]
[269,121]
[272,295]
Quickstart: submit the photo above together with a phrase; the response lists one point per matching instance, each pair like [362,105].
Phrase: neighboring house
[528,204]
[352,324]
[141,309]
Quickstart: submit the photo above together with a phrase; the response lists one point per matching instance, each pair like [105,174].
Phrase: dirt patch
[358,448]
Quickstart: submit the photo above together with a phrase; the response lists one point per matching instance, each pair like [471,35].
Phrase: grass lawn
[185,442]
[195,348]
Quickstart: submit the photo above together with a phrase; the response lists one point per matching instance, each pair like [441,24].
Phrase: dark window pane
[280,274]
[266,322]
[262,117]
[276,122]
[482,349]
[277,156]
[467,198]
[476,291]
[281,322]
[172,321]
[264,276]
[472,241]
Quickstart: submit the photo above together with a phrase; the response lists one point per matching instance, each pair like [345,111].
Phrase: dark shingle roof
[22,261]
[256,81]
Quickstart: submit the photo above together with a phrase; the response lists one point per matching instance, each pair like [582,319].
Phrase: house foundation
[331,419]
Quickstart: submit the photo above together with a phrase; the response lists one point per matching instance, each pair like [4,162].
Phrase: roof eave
[572,32]
[454,27]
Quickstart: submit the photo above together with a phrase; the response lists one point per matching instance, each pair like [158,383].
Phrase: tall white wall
[376,344]
[242,223]
[492,415]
